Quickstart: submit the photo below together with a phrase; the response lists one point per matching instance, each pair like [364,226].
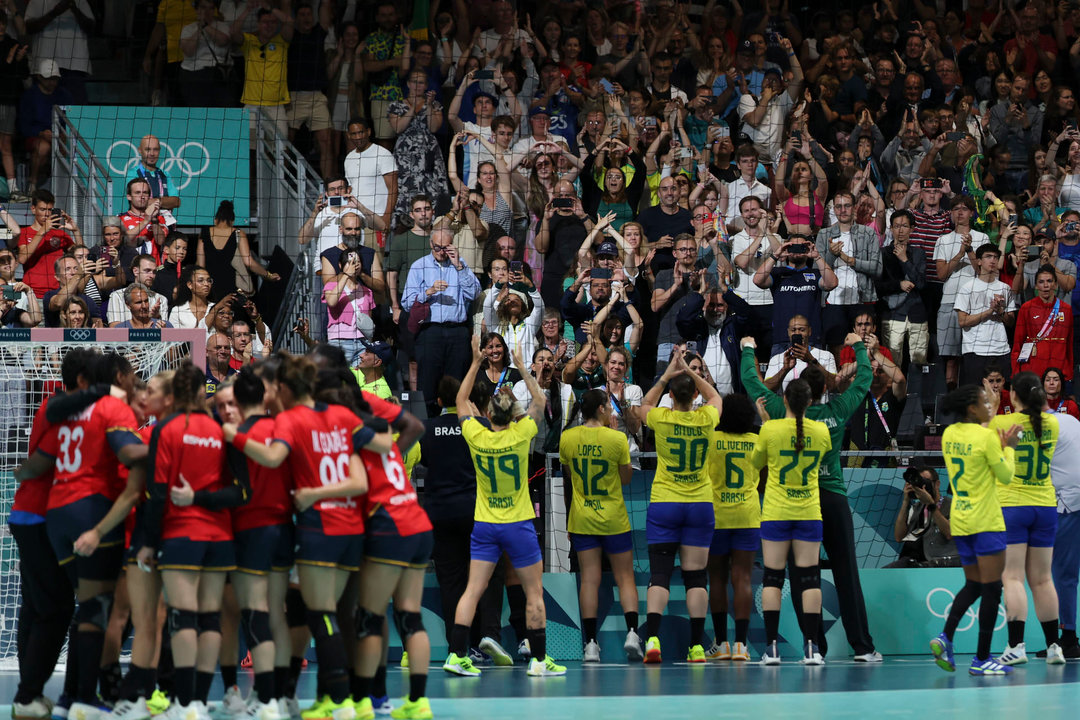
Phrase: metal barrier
[82,185]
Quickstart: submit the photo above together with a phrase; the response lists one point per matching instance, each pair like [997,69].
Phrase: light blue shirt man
[443,280]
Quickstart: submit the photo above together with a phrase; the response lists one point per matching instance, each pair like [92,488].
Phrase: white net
[29,373]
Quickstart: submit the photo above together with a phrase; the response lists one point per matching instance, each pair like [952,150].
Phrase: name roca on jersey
[204,442]
[335,441]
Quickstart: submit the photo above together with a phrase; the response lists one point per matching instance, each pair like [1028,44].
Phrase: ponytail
[798,397]
[1029,390]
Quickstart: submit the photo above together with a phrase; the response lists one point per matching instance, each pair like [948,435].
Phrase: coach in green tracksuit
[839,533]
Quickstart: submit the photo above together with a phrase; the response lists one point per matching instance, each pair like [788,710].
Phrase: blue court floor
[901,687]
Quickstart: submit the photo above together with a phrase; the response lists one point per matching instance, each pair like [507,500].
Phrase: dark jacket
[692,325]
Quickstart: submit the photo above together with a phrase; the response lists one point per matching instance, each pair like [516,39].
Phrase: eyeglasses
[685,250]
[441,248]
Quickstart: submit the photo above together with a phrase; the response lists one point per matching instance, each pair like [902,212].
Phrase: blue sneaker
[988,667]
[941,646]
[381,705]
[480,658]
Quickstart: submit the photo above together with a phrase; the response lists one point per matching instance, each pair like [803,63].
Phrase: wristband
[240,441]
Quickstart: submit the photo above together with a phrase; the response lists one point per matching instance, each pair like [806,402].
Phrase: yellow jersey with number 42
[791,491]
[734,481]
[592,456]
[501,460]
[976,462]
[682,449]
[1031,479]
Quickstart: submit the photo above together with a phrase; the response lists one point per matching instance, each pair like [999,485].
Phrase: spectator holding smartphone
[44,241]
[1043,253]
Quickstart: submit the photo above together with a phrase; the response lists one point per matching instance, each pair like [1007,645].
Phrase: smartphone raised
[798,249]
[1033,252]
[485,75]
[9,293]
[797,338]
[600,274]
[335,201]
[608,87]
[562,203]
[515,266]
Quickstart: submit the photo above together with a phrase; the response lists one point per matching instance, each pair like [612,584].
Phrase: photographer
[922,523]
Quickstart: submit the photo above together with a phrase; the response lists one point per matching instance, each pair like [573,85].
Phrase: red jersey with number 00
[32,496]
[270,502]
[320,441]
[85,448]
[388,482]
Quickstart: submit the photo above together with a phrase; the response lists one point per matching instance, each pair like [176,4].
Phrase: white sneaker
[1054,655]
[592,652]
[345,712]
[1014,655]
[289,707]
[772,655]
[632,646]
[84,711]
[496,652]
[263,711]
[811,656]
[545,668]
[177,711]
[203,711]
[232,704]
[129,710]
[871,657]
[524,651]
[38,709]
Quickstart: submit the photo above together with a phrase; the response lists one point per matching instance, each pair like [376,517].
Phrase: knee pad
[182,620]
[368,624]
[408,624]
[256,625]
[322,624]
[295,609]
[210,622]
[95,611]
[805,578]
[773,578]
[695,579]
[661,564]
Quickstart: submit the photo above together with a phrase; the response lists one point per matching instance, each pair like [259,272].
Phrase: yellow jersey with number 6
[682,449]
[501,460]
[734,481]
[592,456]
[976,462]
[791,491]
[1031,484]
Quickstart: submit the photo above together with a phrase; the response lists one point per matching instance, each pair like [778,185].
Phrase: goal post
[30,361]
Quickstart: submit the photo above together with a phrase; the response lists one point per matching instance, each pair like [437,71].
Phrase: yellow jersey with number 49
[592,456]
[501,460]
[791,491]
[734,481]
[1031,479]
[682,449]
[976,462]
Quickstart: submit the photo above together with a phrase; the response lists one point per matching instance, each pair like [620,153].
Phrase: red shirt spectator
[144,241]
[43,242]
[1050,336]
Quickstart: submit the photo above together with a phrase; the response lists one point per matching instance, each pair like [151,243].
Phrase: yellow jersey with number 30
[734,481]
[791,491]
[501,460]
[1031,479]
[976,462]
[592,456]
[682,449]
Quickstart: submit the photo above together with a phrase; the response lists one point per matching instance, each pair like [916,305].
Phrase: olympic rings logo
[190,160]
[80,334]
[970,617]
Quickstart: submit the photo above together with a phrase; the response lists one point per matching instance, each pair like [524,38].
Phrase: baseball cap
[380,349]
[539,110]
[48,68]
[774,71]
[747,46]
[608,247]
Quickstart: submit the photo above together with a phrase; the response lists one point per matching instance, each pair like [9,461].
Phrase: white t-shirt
[328,228]
[746,289]
[475,153]
[62,39]
[824,358]
[205,56]
[1065,465]
[945,249]
[768,136]
[737,190]
[989,337]
[118,311]
[846,291]
[718,364]
[365,172]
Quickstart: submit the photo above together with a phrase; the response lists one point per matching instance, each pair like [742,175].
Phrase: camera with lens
[913,476]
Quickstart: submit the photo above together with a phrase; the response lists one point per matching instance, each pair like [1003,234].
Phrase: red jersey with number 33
[320,441]
[85,447]
[270,503]
[388,481]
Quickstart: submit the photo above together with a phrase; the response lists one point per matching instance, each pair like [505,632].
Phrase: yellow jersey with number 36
[791,491]
[501,460]
[682,449]
[734,481]
[976,462]
[1031,479]
[592,456]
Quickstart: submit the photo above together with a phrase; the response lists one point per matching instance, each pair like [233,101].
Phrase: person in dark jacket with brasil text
[715,319]
[839,537]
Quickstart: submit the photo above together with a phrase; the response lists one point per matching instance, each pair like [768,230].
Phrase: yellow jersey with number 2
[976,463]
[682,449]
[791,491]
[501,460]
[734,481]
[1031,484]
[592,456]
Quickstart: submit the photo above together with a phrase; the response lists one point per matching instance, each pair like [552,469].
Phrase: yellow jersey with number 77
[791,491]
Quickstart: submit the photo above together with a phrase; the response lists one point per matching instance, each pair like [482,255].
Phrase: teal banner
[204,151]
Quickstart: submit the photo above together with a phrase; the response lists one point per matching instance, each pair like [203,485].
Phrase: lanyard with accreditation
[1029,349]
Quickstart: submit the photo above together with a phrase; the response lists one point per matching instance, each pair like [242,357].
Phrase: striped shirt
[928,228]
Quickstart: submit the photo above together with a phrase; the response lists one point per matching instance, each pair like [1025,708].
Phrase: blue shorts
[264,549]
[725,540]
[611,544]
[1031,525]
[785,530]
[344,552]
[182,553]
[384,545]
[684,523]
[65,524]
[518,540]
[972,547]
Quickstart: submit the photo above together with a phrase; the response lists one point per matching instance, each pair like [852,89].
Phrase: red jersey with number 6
[388,482]
[85,447]
[270,503]
[320,441]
